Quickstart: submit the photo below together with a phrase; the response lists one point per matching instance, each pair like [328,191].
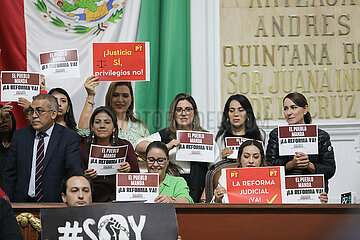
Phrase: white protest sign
[137,186]
[60,64]
[195,146]
[304,188]
[19,84]
[298,138]
[105,160]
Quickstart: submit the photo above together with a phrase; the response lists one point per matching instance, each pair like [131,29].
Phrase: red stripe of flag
[13,46]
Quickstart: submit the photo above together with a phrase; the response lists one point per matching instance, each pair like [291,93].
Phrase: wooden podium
[250,221]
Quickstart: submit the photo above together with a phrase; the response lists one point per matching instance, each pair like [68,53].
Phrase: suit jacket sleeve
[73,156]
[10,171]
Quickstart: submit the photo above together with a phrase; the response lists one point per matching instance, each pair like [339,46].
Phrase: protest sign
[105,160]
[125,61]
[19,84]
[110,221]
[253,185]
[137,186]
[195,146]
[234,144]
[60,64]
[304,188]
[298,138]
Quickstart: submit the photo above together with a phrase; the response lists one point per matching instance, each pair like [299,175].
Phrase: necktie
[40,155]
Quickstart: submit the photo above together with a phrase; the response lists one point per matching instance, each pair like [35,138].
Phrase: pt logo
[234,174]
[273,172]
[139,47]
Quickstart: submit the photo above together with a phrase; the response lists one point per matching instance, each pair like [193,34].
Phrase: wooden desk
[286,221]
[245,221]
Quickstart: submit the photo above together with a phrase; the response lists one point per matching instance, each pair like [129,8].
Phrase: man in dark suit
[40,155]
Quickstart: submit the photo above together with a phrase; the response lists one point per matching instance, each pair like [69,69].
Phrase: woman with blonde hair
[120,99]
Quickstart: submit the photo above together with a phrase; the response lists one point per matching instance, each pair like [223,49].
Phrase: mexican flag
[30,27]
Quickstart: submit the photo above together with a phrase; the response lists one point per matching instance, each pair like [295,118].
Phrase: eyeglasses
[187,110]
[151,160]
[38,112]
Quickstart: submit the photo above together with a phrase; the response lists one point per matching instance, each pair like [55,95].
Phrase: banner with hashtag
[113,221]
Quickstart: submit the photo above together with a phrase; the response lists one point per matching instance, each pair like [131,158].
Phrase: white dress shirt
[31,191]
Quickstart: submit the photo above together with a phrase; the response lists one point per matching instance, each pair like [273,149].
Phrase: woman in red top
[103,131]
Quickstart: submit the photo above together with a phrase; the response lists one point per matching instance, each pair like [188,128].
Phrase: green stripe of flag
[166,25]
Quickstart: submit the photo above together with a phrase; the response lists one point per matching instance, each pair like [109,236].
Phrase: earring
[248,123]
[113,138]
[92,138]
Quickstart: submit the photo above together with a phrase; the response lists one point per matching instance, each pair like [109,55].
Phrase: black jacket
[9,228]
[324,162]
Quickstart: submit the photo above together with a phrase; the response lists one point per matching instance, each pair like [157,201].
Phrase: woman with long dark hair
[65,115]
[296,111]
[238,120]
[103,131]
